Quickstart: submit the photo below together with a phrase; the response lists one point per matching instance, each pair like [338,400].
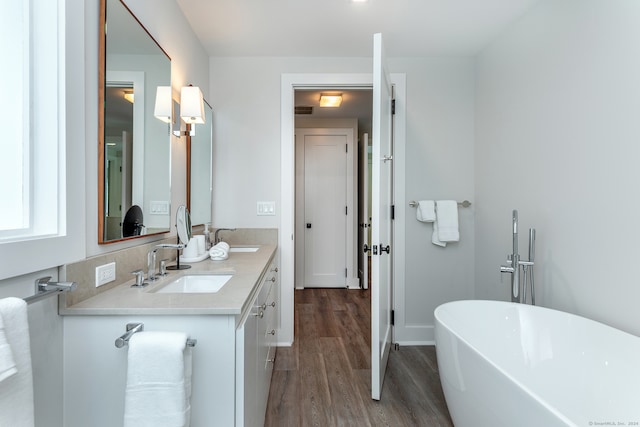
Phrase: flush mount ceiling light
[128,95]
[330,100]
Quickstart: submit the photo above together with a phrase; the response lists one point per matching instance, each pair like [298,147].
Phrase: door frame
[288,86]
[351,194]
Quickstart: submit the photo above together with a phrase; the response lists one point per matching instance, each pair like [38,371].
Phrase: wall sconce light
[191,105]
[330,100]
[162,110]
[190,109]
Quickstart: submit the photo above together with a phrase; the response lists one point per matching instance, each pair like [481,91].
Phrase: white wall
[439,165]
[246,101]
[557,138]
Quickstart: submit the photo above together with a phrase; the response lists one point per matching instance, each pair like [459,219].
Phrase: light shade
[162,109]
[330,100]
[191,105]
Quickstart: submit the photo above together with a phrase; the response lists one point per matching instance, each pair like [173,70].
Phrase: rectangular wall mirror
[199,170]
[134,147]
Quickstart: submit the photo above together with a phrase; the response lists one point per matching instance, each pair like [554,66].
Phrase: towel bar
[45,289]
[464,203]
[132,328]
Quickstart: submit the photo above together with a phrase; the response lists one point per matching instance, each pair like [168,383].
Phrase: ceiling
[341,28]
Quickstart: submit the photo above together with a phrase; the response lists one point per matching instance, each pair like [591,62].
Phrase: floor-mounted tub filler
[508,364]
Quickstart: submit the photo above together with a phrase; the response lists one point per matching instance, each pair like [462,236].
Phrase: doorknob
[384,249]
[308,225]
[366,248]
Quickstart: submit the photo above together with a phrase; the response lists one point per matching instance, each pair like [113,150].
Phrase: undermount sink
[196,284]
[243,249]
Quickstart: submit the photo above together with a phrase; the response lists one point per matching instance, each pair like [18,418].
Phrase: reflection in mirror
[183,225]
[134,147]
[199,191]
[183,229]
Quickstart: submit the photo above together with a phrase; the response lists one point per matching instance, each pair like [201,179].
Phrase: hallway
[324,378]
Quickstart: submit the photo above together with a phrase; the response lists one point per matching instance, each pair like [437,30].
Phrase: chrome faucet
[514,264]
[217,239]
[151,258]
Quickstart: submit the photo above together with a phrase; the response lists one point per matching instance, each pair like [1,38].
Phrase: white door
[365,214]
[381,228]
[325,223]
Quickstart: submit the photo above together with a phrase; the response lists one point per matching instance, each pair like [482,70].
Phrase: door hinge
[393,211]
[345,272]
[393,106]
[393,317]
[346,210]
[346,148]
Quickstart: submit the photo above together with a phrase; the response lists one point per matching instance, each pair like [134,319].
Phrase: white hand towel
[426,211]
[7,364]
[158,380]
[16,391]
[447,220]
[434,236]
[219,252]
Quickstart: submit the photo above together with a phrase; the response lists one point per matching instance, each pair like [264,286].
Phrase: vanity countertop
[247,268]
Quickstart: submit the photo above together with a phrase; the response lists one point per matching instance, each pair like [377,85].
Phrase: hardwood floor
[324,379]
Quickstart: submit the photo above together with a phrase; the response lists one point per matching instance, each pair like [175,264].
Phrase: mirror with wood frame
[134,147]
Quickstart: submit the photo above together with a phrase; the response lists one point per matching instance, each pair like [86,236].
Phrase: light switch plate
[105,274]
[266,208]
[159,207]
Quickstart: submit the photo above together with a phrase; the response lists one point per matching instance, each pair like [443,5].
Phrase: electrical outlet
[105,274]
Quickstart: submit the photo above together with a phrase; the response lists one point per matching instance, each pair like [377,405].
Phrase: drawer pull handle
[263,306]
[273,304]
[275,269]
[272,360]
[271,332]
[273,279]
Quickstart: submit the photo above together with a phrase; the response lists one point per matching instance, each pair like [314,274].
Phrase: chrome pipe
[515,260]
[532,254]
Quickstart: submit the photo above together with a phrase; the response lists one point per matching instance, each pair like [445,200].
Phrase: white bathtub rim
[527,390]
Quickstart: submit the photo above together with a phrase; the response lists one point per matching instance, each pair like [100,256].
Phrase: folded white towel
[447,220]
[7,364]
[219,252]
[426,211]
[434,236]
[158,380]
[16,391]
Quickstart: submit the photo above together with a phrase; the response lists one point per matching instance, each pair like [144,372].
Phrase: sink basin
[243,249]
[196,284]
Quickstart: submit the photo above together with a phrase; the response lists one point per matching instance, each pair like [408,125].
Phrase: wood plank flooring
[324,379]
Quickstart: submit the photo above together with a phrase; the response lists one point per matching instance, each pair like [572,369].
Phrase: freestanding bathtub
[506,364]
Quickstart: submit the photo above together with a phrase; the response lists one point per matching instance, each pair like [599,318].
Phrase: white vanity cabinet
[255,353]
[232,360]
